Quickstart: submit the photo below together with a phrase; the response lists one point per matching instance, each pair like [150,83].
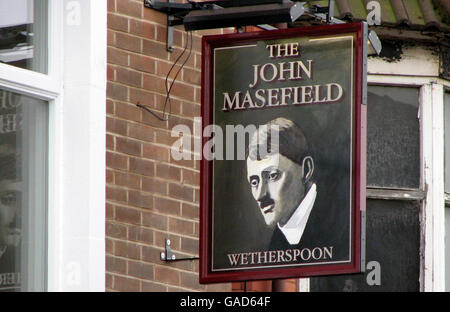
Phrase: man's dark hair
[292,141]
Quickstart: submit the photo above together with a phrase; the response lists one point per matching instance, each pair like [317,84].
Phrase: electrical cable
[165,116]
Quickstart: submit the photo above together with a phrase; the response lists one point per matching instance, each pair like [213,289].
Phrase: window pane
[393,142]
[392,251]
[23,34]
[23,189]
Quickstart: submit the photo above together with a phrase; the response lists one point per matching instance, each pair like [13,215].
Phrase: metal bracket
[175,13]
[168,256]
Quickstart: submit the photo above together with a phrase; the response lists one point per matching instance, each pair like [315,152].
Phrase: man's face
[277,187]
[9,234]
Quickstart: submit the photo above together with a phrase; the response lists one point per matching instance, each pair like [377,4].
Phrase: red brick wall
[149,196]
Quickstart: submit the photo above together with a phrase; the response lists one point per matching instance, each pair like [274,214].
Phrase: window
[393,169]
[23,191]
[23,34]
[61,138]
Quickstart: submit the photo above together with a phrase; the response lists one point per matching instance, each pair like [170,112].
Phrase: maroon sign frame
[355,264]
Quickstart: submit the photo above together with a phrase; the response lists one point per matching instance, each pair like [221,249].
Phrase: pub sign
[284,133]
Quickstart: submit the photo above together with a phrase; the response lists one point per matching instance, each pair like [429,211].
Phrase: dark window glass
[23,34]
[392,257]
[393,143]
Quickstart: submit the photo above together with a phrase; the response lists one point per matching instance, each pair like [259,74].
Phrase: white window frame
[75,89]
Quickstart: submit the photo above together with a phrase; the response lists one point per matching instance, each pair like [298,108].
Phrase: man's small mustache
[266,202]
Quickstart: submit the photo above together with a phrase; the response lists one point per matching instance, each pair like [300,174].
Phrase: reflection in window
[23,34]
[23,188]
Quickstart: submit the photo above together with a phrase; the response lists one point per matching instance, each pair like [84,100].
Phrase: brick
[192,76]
[153,220]
[110,107]
[108,281]
[197,43]
[189,245]
[191,110]
[116,265]
[165,68]
[149,119]
[128,42]
[151,254]
[143,63]
[130,147]
[109,177]
[154,84]
[177,121]
[168,172]
[117,22]
[109,246]
[190,280]
[140,270]
[130,8]
[127,250]
[181,192]
[117,126]
[153,287]
[154,186]
[110,142]
[142,28]
[128,215]
[161,36]
[111,4]
[142,166]
[128,77]
[116,91]
[111,37]
[218,288]
[139,199]
[140,234]
[179,226]
[127,180]
[154,49]
[191,177]
[190,211]
[110,73]
[173,105]
[144,98]
[116,230]
[155,152]
[115,194]
[117,57]
[155,16]
[141,132]
[176,53]
[109,208]
[167,275]
[125,284]
[128,112]
[183,91]
[167,206]
[116,161]
[197,196]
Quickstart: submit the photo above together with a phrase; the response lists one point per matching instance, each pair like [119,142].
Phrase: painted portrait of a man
[281,178]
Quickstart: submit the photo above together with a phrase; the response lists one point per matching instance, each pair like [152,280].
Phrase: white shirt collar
[294,228]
